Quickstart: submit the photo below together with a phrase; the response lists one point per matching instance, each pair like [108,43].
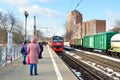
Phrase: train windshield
[57,39]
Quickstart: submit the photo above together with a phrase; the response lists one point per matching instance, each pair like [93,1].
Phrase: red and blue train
[57,43]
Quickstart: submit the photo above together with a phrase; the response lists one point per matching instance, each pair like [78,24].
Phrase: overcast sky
[51,14]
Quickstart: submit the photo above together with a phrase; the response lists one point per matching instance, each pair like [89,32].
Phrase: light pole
[34,25]
[26,15]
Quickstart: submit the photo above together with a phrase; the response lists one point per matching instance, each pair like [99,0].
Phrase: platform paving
[50,67]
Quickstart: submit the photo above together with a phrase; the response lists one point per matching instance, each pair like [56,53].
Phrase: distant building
[93,27]
[76,28]
[73,18]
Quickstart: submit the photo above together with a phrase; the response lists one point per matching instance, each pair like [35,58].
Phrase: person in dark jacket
[41,50]
[24,52]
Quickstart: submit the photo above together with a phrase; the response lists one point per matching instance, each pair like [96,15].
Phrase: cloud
[17,2]
[37,10]
[33,9]
[1,10]
[45,0]
[26,5]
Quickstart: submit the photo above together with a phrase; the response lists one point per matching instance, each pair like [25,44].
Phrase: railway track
[87,73]
[100,62]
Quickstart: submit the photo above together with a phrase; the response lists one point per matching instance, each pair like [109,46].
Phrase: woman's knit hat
[33,40]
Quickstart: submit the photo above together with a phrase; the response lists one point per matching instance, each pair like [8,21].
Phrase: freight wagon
[101,41]
[115,45]
[76,43]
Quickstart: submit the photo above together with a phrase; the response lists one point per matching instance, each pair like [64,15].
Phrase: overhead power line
[70,5]
[78,4]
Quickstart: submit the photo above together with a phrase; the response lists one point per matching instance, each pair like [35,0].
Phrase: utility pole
[34,25]
[26,15]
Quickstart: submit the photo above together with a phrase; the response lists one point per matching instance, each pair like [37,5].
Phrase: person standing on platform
[41,50]
[33,52]
[24,52]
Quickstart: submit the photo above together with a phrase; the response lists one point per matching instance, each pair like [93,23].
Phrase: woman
[33,52]
[24,52]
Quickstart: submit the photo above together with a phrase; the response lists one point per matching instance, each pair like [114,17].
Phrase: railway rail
[76,61]
[99,60]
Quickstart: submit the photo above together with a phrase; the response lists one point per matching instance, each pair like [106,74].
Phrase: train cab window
[60,40]
[57,39]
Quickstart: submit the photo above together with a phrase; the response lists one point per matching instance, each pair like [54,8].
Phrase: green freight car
[99,41]
[102,40]
[77,43]
[88,41]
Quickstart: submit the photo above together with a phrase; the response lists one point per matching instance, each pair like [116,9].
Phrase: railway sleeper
[88,69]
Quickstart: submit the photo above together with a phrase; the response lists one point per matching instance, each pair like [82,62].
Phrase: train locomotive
[107,42]
[57,43]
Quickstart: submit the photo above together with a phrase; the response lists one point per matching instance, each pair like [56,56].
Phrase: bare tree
[3,20]
[8,22]
[40,34]
[12,20]
[116,27]
[3,24]
[17,33]
[68,35]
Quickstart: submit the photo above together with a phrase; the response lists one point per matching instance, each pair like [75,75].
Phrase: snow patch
[78,74]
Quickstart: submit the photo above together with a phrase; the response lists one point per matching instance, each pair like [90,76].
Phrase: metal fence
[3,53]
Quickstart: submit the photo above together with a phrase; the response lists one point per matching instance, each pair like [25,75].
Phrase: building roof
[75,12]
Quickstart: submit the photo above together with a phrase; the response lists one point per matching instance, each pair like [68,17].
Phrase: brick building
[93,27]
[77,28]
[74,20]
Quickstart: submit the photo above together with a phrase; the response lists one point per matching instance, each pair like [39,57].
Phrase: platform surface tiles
[50,67]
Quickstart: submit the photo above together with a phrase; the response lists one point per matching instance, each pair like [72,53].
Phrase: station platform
[50,67]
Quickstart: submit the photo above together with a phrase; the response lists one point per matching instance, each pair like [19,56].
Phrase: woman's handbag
[28,60]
